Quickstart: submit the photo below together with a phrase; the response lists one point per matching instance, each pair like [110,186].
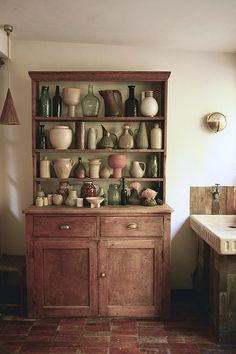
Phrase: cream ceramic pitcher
[63,167]
[136,170]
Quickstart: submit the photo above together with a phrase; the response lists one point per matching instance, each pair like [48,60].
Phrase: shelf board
[97,119]
[111,179]
[98,150]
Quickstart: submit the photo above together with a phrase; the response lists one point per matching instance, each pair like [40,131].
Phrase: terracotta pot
[117,163]
[60,137]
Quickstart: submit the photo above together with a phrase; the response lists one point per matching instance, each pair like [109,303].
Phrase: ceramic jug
[141,138]
[113,102]
[63,166]
[126,140]
[72,198]
[149,105]
[92,138]
[108,140]
[136,170]
[45,168]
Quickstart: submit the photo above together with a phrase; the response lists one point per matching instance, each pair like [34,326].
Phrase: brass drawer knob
[64,227]
[103,275]
[132,225]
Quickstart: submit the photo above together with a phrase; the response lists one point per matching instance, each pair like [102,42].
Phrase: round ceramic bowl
[95,201]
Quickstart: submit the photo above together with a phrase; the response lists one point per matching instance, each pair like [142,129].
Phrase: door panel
[65,274]
[130,277]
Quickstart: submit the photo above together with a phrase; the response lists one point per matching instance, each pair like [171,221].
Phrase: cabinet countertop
[112,209]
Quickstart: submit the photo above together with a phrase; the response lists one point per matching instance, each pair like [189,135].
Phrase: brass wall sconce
[216,121]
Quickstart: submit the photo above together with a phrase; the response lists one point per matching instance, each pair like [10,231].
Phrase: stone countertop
[219,231]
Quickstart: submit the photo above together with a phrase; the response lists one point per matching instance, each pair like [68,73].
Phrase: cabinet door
[130,282]
[65,278]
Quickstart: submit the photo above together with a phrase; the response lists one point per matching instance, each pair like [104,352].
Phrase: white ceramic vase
[60,137]
[62,167]
[71,98]
[94,168]
[149,105]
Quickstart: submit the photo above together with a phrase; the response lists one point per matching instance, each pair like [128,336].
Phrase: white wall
[200,83]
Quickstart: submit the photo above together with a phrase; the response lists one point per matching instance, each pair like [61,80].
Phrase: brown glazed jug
[113,102]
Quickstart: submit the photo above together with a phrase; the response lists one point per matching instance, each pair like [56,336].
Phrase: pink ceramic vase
[117,163]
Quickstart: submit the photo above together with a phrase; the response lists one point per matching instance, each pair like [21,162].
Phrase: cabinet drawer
[84,226]
[126,226]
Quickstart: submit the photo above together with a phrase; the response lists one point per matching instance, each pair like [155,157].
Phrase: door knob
[103,275]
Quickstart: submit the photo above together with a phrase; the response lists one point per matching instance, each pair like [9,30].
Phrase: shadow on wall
[183,254]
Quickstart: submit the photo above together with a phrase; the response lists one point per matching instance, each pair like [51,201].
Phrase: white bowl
[95,201]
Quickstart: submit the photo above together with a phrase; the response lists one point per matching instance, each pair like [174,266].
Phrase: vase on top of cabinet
[90,103]
[113,102]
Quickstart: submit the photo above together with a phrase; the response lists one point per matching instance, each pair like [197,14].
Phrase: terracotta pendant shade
[9,115]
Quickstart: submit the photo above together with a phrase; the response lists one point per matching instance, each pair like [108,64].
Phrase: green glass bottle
[45,102]
[90,104]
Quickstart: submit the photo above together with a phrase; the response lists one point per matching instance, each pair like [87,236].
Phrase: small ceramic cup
[79,202]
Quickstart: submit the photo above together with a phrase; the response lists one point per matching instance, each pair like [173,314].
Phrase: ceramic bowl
[95,201]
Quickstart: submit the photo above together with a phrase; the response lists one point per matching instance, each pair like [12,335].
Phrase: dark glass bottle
[131,104]
[80,171]
[44,102]
[41,138]
[56,103]
[123,193]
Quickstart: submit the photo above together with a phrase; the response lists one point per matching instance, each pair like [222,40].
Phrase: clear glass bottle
[45,102]
[56,103]
[131,104]
[114,194]
[153,167]
[90,103]
[41,138]
[80,171]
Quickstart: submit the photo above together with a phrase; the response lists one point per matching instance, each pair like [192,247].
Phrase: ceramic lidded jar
[60,137]
[88,190]
[94,168]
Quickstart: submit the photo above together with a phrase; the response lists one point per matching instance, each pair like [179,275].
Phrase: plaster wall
[200,83]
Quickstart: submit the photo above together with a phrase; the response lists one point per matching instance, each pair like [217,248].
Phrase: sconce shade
[9,115]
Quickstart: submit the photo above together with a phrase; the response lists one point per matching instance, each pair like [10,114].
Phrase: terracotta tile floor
[185,332]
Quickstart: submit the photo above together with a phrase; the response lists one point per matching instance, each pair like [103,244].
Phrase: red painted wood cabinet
[108,262]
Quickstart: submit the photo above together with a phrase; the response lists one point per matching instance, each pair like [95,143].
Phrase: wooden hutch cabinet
[108,261]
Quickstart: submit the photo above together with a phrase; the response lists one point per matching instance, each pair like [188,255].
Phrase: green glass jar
[114,194]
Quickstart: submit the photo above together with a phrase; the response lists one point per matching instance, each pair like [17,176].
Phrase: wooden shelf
[99,150]
[111,179]
[98,119]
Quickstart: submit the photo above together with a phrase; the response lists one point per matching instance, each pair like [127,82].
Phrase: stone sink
[219,231]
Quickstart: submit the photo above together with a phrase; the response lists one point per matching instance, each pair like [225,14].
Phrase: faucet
[215,199]
[216,192]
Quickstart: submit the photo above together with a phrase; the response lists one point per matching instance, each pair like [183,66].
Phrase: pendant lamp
[9,115]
